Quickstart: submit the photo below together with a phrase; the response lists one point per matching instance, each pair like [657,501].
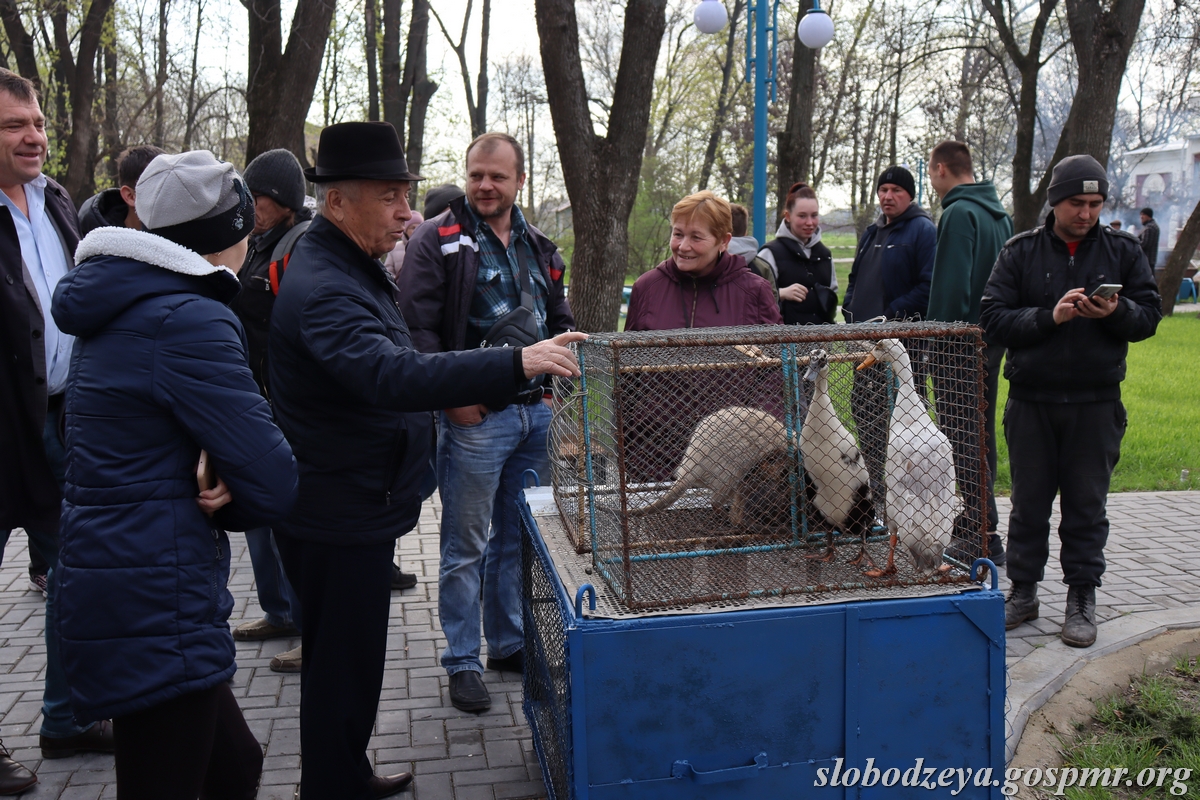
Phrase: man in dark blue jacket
[890,278]
[353,397]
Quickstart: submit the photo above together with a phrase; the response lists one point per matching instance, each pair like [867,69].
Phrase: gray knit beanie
[277,174]
[196,201]
[1076,175]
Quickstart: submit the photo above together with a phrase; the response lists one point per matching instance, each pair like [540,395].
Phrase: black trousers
[345,596]
[197,745]
[957,399]
[1069,448]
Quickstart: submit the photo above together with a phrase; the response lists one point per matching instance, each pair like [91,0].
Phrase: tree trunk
[20,42]
[80,152]
[796,142]
[601,173]
[281,83]
[416,81]
[112,131]
[479,125]
[718,123]
[193,107]
[1102,38]
[372,53]
[1027,201]
[393,98]
[1180,260]
[160,77]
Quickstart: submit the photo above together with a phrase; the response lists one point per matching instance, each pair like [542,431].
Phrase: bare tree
[1181,258]
[389,67]
[417,82]
[281,82]
[160,75]
[601,172]
[477,99]
[372,53]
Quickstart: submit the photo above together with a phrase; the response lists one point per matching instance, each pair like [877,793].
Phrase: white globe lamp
[815,29]
[710,16]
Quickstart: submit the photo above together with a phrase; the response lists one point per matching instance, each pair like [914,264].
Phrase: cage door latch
[682,769]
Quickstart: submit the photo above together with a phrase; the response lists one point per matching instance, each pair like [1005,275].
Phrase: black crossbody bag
[518,328]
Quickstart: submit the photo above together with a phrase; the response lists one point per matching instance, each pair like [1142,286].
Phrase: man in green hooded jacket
[972,230]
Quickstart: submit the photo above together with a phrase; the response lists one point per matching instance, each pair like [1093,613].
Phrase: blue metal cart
[838,700]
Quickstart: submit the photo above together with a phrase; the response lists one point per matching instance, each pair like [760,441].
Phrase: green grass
[1161,393]
[1155,724]
[842,245]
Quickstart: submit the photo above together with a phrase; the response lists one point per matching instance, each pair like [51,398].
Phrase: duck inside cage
[719,464]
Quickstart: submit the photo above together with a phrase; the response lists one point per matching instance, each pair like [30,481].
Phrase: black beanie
[898,176]
[277,174]
[438,199]
[1074,175]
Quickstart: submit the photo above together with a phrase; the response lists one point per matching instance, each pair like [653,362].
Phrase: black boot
[1020,605]
[1080,628]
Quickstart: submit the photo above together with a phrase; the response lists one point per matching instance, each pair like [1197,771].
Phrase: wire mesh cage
[724,463]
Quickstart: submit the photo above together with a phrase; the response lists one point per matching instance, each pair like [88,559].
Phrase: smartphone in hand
[1105,290]
[206,472]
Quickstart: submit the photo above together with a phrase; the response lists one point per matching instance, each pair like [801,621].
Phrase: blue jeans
[275,595]
[479,473]
[58,721]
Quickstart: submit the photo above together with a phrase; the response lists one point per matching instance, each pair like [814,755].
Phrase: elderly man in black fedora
[354,399]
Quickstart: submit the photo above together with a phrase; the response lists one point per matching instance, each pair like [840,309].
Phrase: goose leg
[826,556]
[890,569]
[863,556]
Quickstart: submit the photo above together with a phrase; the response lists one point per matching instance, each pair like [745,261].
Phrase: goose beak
[869,361]
[812,373]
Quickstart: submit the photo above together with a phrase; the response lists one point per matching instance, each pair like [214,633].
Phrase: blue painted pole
[762,74]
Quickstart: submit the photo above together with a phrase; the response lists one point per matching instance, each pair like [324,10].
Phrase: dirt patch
[1059,720]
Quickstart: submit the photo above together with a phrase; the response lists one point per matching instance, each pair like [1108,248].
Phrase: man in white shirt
[38,234]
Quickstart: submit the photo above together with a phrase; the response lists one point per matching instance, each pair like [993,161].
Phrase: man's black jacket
[353,396]
[1082,360]
[29,492]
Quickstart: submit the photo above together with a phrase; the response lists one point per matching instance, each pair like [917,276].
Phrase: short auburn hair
[705,207]
[798,191]
[956,156]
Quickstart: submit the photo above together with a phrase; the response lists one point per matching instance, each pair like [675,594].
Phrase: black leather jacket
[1082,360]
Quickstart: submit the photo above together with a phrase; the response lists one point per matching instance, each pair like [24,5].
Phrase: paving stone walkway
[456,756]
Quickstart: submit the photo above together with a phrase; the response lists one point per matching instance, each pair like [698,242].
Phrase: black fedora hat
[360,151]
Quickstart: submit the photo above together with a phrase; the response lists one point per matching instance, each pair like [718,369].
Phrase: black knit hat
[438,199]
[277,174]
[1074,175]
[360,151]
[898,176]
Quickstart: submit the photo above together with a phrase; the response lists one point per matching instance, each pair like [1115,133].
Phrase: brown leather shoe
[260,630]
[96,739]
[386,786]
[288,661]
[14,778]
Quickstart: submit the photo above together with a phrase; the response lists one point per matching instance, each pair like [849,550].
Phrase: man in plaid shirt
[462,274]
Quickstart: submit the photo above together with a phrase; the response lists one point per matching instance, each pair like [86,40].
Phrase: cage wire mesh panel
[724,463]
[547,680]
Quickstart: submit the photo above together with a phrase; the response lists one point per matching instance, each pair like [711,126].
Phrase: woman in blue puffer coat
[159,373]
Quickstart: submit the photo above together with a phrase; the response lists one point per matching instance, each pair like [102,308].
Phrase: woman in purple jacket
[702,285]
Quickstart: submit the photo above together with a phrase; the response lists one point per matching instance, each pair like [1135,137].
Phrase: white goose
[921,500]
[834,464]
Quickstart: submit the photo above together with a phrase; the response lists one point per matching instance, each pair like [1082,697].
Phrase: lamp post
[762,30]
